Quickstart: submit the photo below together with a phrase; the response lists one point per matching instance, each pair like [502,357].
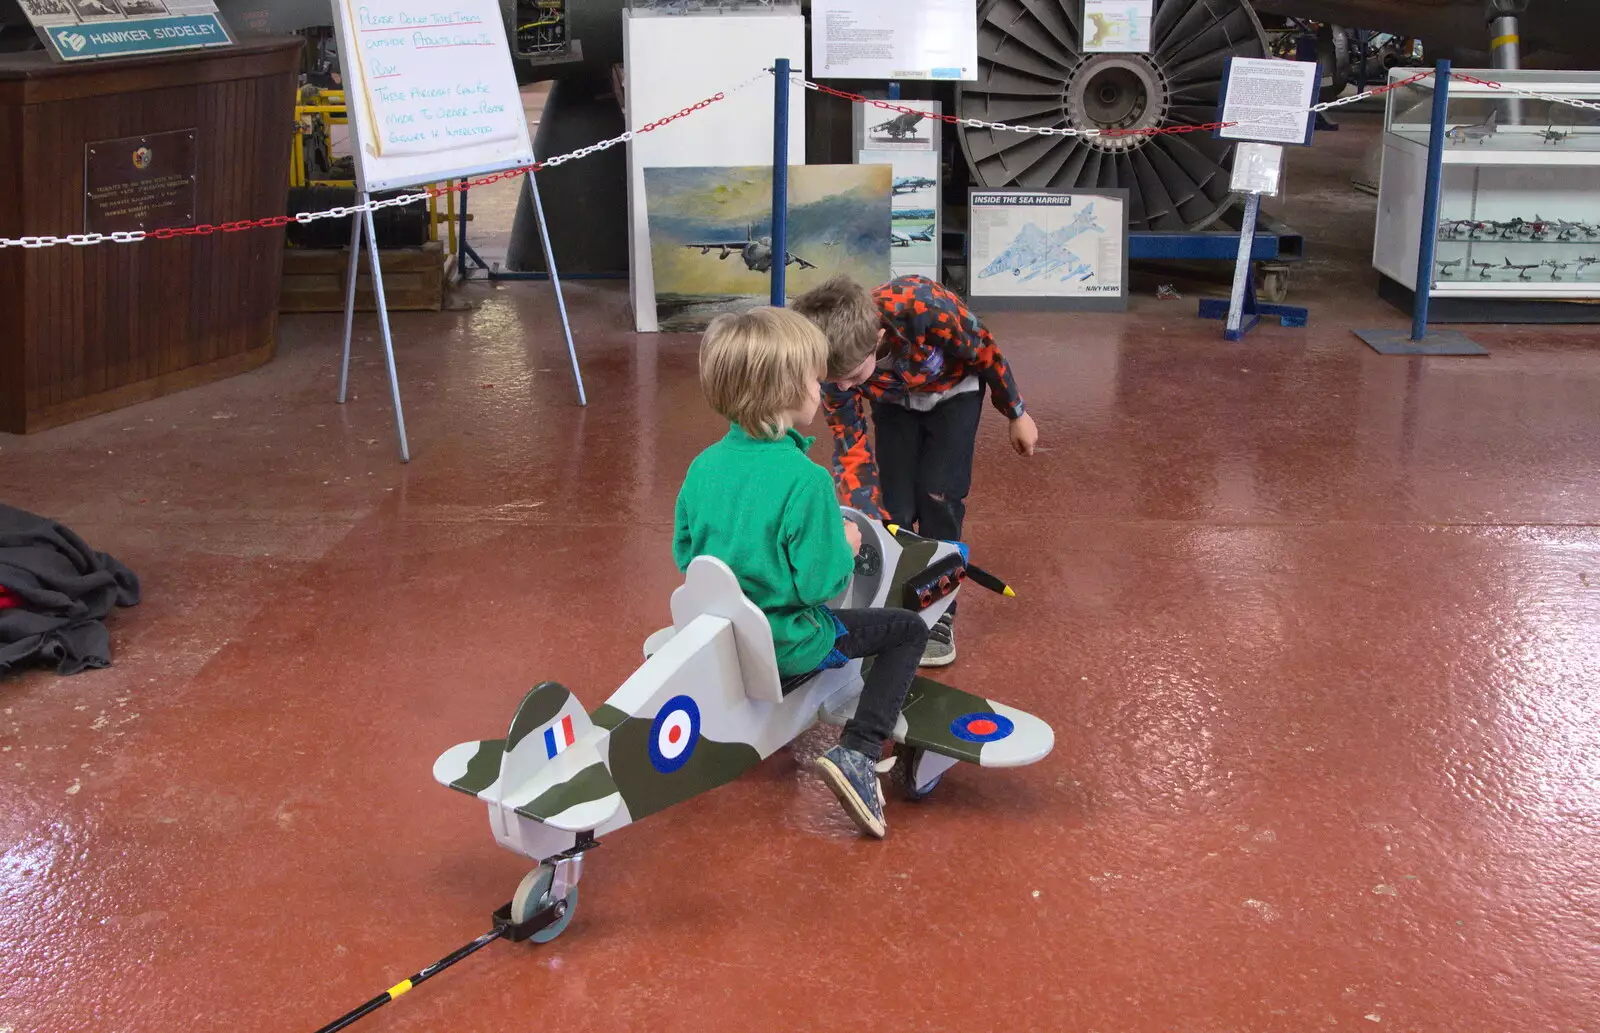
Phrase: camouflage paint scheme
[707,705]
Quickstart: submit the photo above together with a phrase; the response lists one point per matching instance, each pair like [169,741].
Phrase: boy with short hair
[921,357]
[757,502]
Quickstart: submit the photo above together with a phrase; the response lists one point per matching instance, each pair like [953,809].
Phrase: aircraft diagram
[756,252]
[707,705]
[1035,252]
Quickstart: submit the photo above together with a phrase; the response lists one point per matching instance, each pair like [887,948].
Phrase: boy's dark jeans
[925,463]
[894,639]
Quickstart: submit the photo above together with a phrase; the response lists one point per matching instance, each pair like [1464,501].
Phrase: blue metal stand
[1447,342]
[1242,311]
[780,178]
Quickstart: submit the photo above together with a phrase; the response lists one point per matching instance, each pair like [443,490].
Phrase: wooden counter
[85,330]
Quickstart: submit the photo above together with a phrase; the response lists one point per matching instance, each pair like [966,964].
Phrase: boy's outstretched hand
[1024,435]
[852,534]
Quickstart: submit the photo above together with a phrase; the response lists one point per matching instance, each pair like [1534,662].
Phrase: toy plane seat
[710,588]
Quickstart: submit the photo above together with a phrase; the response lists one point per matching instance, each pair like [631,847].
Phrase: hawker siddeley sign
[79,30]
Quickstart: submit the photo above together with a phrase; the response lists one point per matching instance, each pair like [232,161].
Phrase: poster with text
[1049,249]
[895,39]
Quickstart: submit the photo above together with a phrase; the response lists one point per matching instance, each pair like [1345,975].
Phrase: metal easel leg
[388,341]
[555,281]
[350,302]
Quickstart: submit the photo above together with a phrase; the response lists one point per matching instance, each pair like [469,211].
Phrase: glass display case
[1519,202]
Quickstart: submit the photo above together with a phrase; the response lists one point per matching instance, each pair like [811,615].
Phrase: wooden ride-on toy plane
[708,705]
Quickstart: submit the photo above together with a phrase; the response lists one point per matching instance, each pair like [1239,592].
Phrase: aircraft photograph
[909,184]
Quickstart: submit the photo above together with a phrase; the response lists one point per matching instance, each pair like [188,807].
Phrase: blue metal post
[1430,202]
[780,178]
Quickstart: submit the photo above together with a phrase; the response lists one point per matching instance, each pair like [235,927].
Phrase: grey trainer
[941,647]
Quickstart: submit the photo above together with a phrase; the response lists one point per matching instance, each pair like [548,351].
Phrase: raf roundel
[674,734]
[982,727]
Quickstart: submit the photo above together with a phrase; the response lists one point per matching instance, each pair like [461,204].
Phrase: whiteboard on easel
[430,91]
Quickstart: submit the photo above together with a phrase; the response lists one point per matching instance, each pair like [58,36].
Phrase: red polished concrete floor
[1317,630]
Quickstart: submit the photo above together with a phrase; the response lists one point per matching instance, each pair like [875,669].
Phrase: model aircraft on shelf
[1478,131]
[707,705]
[1556,267]
[1445,267]
[1522,270]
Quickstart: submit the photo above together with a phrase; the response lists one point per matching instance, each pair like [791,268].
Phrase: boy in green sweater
[757,502]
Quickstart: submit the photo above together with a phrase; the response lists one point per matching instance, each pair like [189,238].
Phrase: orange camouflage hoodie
[933,343]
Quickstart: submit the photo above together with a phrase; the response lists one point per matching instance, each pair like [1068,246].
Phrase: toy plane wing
[957,724]
[731,245]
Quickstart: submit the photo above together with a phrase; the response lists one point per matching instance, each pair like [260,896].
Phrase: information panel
[895,39]
[139,182]
[1270,99]
[1057,250]
[431,91]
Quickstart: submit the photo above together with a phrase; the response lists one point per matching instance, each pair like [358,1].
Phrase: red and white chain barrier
[1168,130]
[270,222]
[206,229]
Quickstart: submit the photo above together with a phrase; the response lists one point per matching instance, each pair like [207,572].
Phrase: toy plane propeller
[707,705]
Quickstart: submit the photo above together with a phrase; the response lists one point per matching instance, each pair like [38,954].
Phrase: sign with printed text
[895,39]
[431,90]
[1269,100]
[80,30]
[139,182]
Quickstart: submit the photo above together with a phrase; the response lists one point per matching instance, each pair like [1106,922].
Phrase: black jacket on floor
[64,590]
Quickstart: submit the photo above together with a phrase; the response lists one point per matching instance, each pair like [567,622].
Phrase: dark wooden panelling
[85,330]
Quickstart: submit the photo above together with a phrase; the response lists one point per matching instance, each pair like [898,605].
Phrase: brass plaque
[139,182]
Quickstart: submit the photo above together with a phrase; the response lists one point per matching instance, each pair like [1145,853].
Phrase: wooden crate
[314,280]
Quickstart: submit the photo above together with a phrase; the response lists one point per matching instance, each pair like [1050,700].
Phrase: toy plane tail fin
[548,722]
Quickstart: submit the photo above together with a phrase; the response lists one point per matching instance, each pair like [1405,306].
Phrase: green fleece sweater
[769,512]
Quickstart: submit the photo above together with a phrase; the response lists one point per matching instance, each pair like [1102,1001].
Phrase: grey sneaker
[853,777]
[941,647]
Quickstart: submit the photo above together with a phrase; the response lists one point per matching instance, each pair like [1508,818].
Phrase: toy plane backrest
[710,588]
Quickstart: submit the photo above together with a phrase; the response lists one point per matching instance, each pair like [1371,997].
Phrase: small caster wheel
[908,764]
[533,896]
[1274,285]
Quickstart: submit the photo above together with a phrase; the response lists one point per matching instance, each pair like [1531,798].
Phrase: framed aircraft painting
[1048,249]
[711,235]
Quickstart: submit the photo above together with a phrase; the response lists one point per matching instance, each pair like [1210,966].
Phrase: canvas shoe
[853,777]
[941,647]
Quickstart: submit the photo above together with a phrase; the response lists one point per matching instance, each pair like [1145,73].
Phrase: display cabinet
[1519,202]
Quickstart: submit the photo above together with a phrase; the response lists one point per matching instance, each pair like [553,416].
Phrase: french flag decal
[558,736]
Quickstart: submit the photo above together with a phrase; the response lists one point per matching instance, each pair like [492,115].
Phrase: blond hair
[755,367]
[847,313]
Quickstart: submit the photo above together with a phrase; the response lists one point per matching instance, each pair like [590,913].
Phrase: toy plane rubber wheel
[533,895]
